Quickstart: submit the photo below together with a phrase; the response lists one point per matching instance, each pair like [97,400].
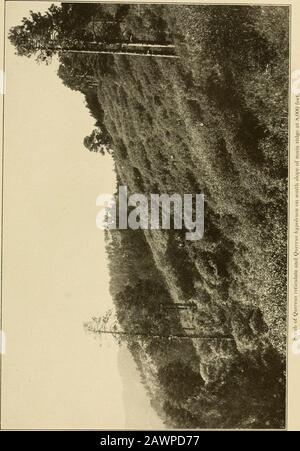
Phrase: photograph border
[291,6]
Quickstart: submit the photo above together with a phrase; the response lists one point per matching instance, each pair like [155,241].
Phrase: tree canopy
[97,141]
[43,35]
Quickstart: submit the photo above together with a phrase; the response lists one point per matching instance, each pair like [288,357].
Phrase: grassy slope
[215,122]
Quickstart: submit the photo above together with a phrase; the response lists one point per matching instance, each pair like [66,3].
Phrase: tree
[77,72]
[109,323]
[38,34]
[70,28]
[43,35]
[97,141]
[106,324]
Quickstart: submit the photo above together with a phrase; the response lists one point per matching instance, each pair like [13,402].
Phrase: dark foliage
[213,121]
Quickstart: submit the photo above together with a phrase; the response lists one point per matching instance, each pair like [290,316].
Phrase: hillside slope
[213,121]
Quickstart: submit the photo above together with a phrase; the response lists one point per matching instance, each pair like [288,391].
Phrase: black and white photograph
[145,188]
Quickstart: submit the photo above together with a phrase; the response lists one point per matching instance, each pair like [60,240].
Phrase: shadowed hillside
[212,121]
[216,122]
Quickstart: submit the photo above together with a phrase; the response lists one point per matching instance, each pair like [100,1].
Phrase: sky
[54,266]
